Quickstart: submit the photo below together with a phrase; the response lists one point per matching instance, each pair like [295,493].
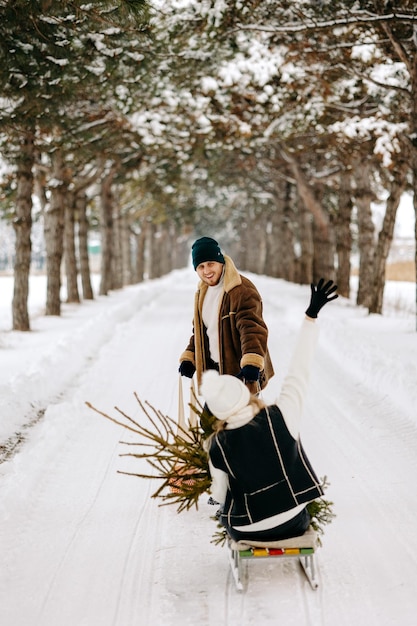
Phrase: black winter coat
[269,472]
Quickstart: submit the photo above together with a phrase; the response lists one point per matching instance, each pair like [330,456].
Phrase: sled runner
[302,548]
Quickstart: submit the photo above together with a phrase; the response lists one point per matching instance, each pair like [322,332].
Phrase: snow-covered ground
[83,545]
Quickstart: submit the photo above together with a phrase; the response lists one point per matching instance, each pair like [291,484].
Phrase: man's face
[210,272]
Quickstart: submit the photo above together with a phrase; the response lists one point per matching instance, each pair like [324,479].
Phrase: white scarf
[211,306]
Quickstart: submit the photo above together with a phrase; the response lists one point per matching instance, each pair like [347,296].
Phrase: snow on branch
[345,21]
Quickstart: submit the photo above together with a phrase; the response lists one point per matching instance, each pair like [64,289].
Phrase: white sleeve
[294,387]
[219,484]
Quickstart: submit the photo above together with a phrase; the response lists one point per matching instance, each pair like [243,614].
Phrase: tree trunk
[127,261]
[166,244]
[324,244]
[80,202]
[324,252]
[288,240]
[413,135]
[344,236]
[154,257]
[117,264]
[415,213]
[280,257]
[70,255]
[22,224]
[140,239]
[273,248]
[183,249]
[165,249]
[240,247]
[308,195]
[106,227]
[386,235]
[54,233]
[414,166]
[249,252]
[177,255]
[366,231]
[256,251]
[323,233]
[304,273]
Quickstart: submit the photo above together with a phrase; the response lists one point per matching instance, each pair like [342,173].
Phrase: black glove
[249,373]
[187,369]
[320,295]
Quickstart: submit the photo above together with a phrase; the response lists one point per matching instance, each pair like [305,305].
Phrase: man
[229,332]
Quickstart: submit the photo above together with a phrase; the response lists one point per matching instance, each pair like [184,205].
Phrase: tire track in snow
[77,353]
[64,591]
[78,529]
[138,574]
[367,448]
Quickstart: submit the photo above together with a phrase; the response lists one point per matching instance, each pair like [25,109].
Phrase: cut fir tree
[178,459]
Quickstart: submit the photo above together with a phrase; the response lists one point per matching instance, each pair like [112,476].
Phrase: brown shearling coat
[243,333]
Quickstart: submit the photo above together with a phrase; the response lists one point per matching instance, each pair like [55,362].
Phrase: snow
[83,545]
[405,220]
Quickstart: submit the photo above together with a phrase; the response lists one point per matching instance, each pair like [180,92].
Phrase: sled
[302,548]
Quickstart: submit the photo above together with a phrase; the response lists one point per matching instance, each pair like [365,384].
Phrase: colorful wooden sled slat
[260,552]
[292,551]
[303,548]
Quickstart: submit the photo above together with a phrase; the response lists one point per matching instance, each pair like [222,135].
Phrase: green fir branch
[321,512]
[175,454]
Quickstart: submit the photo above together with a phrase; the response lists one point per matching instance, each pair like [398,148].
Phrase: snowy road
[83,545]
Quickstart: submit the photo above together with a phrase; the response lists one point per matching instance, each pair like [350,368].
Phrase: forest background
[276,126]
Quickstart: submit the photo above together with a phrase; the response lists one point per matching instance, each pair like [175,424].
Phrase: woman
[260,473]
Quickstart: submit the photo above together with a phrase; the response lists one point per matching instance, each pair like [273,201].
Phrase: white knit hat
[224,394]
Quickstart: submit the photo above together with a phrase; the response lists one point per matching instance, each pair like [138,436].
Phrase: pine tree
[51,54]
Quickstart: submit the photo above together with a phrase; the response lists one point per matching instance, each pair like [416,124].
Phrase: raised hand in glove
[187,369]
[249,373]
[320,295]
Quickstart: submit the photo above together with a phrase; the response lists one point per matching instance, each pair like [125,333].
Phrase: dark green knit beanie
[206,249]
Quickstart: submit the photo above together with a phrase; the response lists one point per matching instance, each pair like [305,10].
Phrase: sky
[84,545]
